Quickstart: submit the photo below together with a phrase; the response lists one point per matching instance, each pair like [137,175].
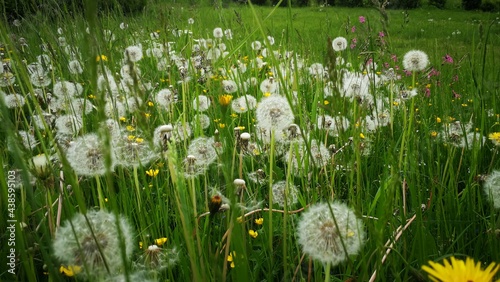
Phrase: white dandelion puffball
[274,113]
[133,53]
[339,44]
[415,60]
[201,103]
[218,33]
[94,243]
[492,187]
[165,98]
[330,232]
[243,104]
[87,155]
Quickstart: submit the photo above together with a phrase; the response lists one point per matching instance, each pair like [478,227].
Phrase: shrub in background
[404,4]
[471,4]
[438,3]
[350,3]
[490,6]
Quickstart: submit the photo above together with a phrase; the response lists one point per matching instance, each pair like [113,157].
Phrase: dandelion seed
[14,101]
[330,232]
[217,33]
[133,53]
[339,44]
[491,187]
[92,241]
[203,149]
[201,103]
[68,124]
[244,104]
[415,60]
[133,151]
[87,155]
[274,114]
[284,192]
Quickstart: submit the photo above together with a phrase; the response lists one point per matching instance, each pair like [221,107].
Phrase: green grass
[408,171]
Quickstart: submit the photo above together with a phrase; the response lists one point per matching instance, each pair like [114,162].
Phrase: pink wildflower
[447,59]
[381,34]
[353,29]
[394,58]
[362,19]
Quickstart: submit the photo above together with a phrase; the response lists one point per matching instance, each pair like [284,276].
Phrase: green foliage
[471,4]
[490,6]
[350,3]
[404,4]
[438,3]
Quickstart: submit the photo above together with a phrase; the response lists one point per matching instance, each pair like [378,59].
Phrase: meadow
[246,143]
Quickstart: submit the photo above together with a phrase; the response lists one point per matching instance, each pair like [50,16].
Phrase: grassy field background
[409,174]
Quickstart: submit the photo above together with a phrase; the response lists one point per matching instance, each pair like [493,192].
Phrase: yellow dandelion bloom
[101,58]
[139,140]
[160,241]
[130,137]
[152,173]
[222,125]
[495,138]
[434,134]
[147,115]
[234,115]
[91,96]
[130,128]
[225,99]
[438,119]
[395,103]
[150,104]
[267,94]
[253,233]
[362,136]
[123,119]
[71,270]
[460,270]
[326,102]
[259,221]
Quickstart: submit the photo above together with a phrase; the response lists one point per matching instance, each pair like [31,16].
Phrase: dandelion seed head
[95,244]
[274,114]
[415,60]
[491,188]
[323,233]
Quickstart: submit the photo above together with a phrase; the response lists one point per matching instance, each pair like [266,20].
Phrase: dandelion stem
[100,194]
[137,188]
[327,271]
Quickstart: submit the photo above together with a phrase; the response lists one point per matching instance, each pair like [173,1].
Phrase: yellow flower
[495,138]
[362,136]
[259,221]
[438,119]
[140,245]
[123,119]
[91,96]
[71,270]
[222,125]
[130,137]
[101,58]
[147,115]
[267,94]
[152,173]
[460,270]
[233,115]
[253,234]
[139,140]
[434,134]
[230,259]
[395,103]
[225,99]
[130,128]
[160,241]
[326,102]
[150,103]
